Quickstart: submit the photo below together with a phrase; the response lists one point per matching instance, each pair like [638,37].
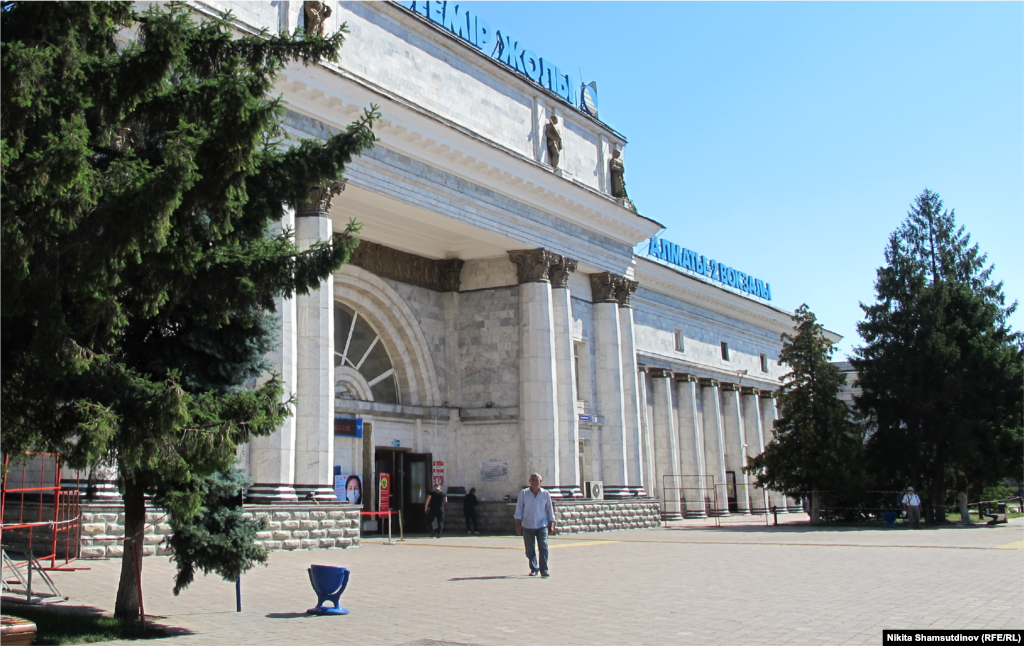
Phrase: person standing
[912,505]
[434,509]
[469,511]
[535,519]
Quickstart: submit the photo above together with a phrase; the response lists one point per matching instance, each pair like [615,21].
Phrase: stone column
[754,433]
[272,457]
[634,441]
[666,446]
[538,408]
[314,417]
[714,449]
[608,373]
[647,432]
[565,373]
[735,444]
[691,447]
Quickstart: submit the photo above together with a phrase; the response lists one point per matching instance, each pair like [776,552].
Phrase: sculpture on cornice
[317,14]
[320,198]
[553,139]
[617,172]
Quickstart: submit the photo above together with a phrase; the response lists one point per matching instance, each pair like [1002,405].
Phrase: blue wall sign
[692,261]
[497,44]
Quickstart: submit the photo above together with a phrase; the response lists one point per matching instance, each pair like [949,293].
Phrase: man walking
[434,509]
[912,505]
[535,518]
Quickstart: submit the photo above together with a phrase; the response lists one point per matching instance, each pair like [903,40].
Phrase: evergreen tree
[941,371]
[143,166]
[816,447]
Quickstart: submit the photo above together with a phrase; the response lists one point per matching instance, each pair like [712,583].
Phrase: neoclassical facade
[495,320]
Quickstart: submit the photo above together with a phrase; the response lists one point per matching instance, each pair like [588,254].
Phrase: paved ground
[683,584]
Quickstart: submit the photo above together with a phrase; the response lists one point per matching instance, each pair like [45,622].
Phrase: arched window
[363,369]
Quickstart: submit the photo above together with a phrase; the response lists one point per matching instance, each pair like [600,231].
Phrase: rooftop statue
[317,14]
[554,140]
[617,171]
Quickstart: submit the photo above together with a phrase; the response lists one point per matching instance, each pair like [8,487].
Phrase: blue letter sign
[692,261]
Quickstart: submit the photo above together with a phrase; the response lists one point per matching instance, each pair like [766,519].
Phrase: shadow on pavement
[484,578]
[293,615]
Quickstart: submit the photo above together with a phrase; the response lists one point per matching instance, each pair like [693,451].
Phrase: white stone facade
[556,350]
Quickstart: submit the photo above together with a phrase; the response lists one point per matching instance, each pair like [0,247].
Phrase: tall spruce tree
[941,370]
[816,447]
[143,166]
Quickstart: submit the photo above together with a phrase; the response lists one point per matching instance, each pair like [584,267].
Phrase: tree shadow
[58,623]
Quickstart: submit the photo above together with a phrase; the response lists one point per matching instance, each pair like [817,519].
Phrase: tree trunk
[815,507]
[127,604]
[937,508]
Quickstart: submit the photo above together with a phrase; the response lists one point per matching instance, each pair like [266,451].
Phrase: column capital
[730,386]
[320,197]
[642,368]
[768,394]
[541,265]
[624,288]
[748,390]
[708,383]
[560,269]
[660,373]
[682,376]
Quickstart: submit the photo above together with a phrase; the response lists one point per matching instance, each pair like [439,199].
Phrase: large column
[538,408]
[691,447]
[647,432]
[631,401]
[735,444]
[565,373]
[314,417]
[272,457]
[754,432]
[666,446]
[714,450]
[608,373]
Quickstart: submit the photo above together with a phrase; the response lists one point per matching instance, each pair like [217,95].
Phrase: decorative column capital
[560,269]
[682,376]
[730,386]
[532,265]
[748,390]
[449,274]
[767,394]
[602,287]
[660,373]
[624,288]
[708,383]
[320,199]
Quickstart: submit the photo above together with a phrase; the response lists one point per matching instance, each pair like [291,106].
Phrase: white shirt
[534,511]
[911,500]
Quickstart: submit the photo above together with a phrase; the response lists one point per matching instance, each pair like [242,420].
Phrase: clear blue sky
[788,140]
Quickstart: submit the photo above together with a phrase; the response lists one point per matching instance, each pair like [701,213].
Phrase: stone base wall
[289,527]
[572,516]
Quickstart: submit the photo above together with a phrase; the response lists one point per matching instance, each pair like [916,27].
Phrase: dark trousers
[436,517]
[541,538]
[471,518]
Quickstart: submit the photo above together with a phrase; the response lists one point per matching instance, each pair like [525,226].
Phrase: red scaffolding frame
[57,513]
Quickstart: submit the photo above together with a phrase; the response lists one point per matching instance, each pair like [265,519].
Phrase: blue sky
[788,140]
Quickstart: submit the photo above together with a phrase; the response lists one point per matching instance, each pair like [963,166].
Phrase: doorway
[410,477]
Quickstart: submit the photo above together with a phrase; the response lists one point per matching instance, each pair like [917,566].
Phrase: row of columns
[549,423]
[694,449]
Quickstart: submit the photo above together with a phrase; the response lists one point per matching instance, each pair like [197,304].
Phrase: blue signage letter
[531,64]
[436,12]
[455,21]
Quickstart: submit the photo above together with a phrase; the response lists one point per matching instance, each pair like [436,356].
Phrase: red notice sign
[438,474]
[385,492]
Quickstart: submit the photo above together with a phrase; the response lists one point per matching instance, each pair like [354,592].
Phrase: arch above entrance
[399,331]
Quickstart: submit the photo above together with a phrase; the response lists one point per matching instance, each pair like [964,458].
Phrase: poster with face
[349,488]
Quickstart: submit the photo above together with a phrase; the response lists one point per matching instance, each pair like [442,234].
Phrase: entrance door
[392,461]
[416,486]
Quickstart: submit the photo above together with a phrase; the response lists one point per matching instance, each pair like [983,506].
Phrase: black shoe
[545,574]
[534,572]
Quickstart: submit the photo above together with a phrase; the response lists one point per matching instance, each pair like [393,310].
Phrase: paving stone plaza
[684,583]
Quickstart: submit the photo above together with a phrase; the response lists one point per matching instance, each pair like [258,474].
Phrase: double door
[410,484]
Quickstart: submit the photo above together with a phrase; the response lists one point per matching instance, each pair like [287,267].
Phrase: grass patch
[61,626]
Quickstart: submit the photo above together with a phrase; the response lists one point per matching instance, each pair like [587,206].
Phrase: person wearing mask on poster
[434,509]
[354,490]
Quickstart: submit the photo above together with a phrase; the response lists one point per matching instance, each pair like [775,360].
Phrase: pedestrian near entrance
[434,508]
[469,511]
[535,519]
[912,505]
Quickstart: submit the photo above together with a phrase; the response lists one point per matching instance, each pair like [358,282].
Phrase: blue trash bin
[890,519]
[328,582]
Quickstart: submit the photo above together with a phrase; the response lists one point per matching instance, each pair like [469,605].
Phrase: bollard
[238,594]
